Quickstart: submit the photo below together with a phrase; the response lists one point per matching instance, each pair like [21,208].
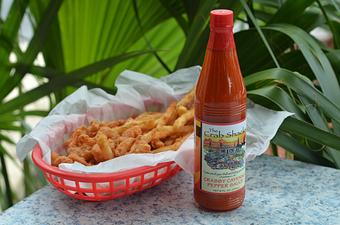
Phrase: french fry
[86,140]
[185,129]
[140,146]
[109,132]
[172,147]
[78,158]
[105,152]
[181,110]
[150,132]
[169,116]
[115,123]
[169,141]
[124,147]
[149,116]
[147,137]
[61,159]
[185,118]
[132,132]
[145,125]
[162,132]
[187,100]
[157,143]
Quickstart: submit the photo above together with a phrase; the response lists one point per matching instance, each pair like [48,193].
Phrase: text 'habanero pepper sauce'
[220,121]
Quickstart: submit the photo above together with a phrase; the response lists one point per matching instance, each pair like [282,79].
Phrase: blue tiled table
[278,192]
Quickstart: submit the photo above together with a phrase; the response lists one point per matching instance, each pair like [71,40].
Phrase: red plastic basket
[104,186]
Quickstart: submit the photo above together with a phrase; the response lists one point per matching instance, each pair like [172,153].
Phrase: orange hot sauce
[220,121]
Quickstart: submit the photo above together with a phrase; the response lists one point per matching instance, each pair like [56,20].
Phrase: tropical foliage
[91,42]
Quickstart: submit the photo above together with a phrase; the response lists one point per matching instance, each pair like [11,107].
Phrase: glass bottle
[220,121]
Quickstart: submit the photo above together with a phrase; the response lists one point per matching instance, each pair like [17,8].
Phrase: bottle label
[222,156]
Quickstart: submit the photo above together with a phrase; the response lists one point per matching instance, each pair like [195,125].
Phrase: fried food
[140,146]
[181,110]
[132,132]
[77,158]
[188,100]
[124,146]
[169,116]
[149,132]
[185,118]
[175,145]
[115,123]
[105,152]
[57,159]
[109,132]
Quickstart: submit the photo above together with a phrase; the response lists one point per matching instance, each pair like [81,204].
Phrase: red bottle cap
[221,18]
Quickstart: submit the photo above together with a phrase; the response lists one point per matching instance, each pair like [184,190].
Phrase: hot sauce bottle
[220,121]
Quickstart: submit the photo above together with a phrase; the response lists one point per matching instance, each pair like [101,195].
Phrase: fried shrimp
[149,132]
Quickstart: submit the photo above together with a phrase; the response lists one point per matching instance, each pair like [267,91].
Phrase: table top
[277,192]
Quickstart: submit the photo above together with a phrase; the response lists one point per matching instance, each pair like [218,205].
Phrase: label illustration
[222,156]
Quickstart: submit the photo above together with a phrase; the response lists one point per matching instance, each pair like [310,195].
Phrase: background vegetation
[86,42]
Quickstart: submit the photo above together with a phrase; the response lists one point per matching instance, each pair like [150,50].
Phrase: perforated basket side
[105,186]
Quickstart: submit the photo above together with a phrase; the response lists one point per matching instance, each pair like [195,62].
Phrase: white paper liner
[137,93]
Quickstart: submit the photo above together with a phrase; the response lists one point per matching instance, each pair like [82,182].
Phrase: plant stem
[335,42]
[251,7]
[26,169]
[27,180]
[251,16]
[274,149]
[8,190]
[147,41]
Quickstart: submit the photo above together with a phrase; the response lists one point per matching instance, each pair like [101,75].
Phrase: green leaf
[318,62]
[269,3]
[10,117]
[197,35]
[33,48]
[307,130]
[10,126]
[334,58]
[112,32]
[40,113]
[52,49]
[148,43]
[263,38]
[299,84]
[89,84]
[8,36]
[9,29]
[191,8]
[315,57]
[174,8]
[301,151]
[3,151]
[6,139]
[63,80]
[43,72]
[291,11]
[335,28]
[166,37]
[236,6]
[278,97]
[257,59]
[310,19]
[262,15]
[295,61]
[333,25]
[319,121]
